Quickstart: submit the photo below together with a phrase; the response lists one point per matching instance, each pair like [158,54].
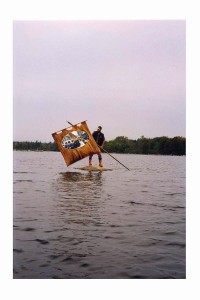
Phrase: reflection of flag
[73,151]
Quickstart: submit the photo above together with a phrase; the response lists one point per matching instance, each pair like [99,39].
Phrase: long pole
[107,152]
[70,123]
[115,159]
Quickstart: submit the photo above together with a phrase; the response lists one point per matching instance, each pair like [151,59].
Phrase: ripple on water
[99,225]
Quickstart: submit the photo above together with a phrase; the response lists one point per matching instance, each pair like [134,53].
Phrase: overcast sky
[127,76]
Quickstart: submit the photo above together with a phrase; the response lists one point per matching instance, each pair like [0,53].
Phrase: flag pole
[70,123]
[74,124]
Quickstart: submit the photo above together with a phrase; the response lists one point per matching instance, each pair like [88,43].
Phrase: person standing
[100,140]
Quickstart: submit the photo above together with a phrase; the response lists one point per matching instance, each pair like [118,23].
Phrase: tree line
[121,144]
[158,145]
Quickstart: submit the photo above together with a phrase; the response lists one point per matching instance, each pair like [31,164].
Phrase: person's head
[99,128]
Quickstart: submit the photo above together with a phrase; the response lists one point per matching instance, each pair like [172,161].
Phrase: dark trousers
[99,156]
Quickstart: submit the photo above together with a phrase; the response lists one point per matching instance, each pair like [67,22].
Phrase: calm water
[116,224]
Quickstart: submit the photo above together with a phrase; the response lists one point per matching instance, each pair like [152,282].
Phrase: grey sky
[127,76]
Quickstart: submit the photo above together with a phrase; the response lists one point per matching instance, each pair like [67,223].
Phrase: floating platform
[94,168]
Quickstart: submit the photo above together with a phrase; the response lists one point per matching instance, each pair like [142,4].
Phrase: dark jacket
[99,137]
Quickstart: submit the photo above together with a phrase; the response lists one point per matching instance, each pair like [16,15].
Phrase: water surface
[70,223]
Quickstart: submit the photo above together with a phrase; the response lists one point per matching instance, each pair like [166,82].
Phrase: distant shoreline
[159,145]
[156,154]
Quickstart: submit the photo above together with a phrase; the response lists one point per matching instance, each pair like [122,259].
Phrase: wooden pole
[115,158]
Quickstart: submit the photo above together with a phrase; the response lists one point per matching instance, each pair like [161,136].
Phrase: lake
[120,224]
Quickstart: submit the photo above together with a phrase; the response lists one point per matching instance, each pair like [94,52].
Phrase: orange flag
[75,142]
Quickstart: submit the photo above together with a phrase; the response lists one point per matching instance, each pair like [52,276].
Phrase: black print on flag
[75,139]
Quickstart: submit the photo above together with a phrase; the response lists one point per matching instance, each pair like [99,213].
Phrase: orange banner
[75,142]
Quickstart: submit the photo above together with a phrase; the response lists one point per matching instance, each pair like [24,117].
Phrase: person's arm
[103,142]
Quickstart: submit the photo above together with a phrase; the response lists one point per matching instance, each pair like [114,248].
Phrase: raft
[94,168]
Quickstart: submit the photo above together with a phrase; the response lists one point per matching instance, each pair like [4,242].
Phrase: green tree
[121,144]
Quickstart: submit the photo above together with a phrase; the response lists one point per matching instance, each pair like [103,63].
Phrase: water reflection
[80,177]
[77,184]
[78,198]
